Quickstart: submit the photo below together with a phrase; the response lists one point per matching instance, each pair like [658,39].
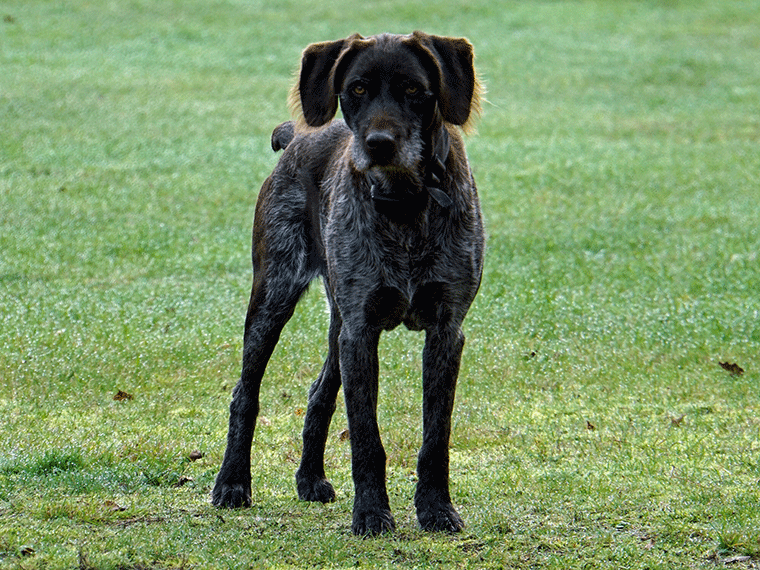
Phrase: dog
[383,206]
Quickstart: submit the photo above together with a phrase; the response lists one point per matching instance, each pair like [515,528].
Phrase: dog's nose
[381,145]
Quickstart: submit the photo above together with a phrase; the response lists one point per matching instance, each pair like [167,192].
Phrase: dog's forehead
[386,56]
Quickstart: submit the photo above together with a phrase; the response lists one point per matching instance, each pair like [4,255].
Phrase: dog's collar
[436,169]
[434,173]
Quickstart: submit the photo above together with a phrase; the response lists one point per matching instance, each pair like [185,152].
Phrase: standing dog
[384,207]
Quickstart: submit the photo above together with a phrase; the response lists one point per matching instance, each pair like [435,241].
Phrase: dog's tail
[282,135]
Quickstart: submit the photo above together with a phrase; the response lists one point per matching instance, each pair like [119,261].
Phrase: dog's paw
[372,523]
[441,517]
[231,495]
[317,490]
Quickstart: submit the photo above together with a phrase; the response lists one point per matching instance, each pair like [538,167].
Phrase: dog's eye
[412,90]
[359,90]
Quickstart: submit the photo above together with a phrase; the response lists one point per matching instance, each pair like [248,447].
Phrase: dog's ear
[316,91]
[458,86]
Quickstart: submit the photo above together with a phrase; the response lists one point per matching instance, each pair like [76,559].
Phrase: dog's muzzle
[435,170]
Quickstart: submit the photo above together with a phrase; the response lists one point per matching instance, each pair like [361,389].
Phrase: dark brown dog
[384,207]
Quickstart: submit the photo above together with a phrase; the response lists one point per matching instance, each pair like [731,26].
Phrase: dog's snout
[381,145]
[379,139]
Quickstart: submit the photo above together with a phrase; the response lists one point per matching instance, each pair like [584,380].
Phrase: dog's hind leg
[263,326]
[282,271]
[310,478]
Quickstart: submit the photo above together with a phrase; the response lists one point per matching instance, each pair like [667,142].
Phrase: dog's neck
[384,194]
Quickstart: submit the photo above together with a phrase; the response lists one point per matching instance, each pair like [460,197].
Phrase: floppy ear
[316,89]
[457,83]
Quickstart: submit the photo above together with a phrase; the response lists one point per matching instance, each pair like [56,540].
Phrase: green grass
[618,164]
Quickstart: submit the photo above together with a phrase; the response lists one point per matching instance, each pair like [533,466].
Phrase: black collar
[435,171]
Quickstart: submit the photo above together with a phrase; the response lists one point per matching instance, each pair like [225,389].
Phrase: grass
[618,166]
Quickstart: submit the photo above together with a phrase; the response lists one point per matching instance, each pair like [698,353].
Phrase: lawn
[618,161]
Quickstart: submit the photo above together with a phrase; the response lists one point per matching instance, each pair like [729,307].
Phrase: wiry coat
[384,207]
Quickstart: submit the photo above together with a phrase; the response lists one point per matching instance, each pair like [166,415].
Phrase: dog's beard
[389,184]
[400,180]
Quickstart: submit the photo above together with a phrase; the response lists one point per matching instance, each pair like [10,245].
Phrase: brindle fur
[405,256]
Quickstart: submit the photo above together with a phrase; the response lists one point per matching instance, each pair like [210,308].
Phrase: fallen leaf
[300,412]
[732,367]
[195,455]
[113,506]
[183,480]
[590,426]
[120,396]
[264,421]
[677,421]
[344,435]
[26,550]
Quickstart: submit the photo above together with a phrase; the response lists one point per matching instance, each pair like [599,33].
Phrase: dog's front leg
[359,372]
[440,361]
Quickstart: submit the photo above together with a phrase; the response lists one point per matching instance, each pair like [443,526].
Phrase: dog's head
[395,91]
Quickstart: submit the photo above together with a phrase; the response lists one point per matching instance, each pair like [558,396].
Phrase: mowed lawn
[608,409]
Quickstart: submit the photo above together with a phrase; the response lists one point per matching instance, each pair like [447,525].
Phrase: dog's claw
[441,518]
[373,523]
[231,496]
[317,491]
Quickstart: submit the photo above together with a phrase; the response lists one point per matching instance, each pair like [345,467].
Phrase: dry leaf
[344,435]
[590,426]
[300,412]
[184,479]
[120,396]
[732,367]
[264,421]
[26,550]
[113,506]
[677,421]
[195,455]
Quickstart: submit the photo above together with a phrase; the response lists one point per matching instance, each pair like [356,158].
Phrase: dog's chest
[387,272]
